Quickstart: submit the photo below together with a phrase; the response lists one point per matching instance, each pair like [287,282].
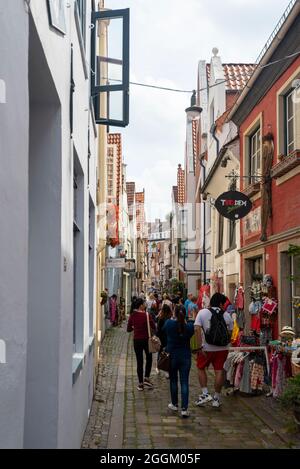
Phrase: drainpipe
[204,223]
[213,132]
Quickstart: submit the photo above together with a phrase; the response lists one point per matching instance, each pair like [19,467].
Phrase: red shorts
[217,359]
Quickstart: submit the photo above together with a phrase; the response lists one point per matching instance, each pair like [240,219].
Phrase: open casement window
[110,67]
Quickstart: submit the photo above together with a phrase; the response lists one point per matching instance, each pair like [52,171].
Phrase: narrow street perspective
[150,228]
[143,421]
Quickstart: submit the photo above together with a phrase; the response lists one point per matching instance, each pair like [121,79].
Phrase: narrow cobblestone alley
[143,421]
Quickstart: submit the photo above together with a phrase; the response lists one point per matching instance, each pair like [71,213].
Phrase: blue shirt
[186,305]
[175,341]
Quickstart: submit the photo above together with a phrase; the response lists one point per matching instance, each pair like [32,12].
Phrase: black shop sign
[233,205]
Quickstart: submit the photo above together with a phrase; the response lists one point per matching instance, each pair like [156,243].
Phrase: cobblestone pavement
[241,422]
[96,434]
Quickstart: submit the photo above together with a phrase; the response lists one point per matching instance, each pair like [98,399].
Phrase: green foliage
[293,250]
[291,395]
[176,286]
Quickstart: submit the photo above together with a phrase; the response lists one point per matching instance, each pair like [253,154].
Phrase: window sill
[287,163]
[220,254]
[81,42]
[77,365]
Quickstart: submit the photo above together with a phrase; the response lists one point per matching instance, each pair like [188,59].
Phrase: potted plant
[290,398]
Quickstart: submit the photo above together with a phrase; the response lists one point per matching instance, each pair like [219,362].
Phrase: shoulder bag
[154,344]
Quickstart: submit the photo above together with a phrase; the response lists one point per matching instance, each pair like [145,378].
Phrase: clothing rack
[253,348]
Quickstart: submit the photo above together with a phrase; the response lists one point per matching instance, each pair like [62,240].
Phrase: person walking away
[152,306]
[113,310]
[166,300]
[164,315]
[187,303]
[213,328]
[133,302]
[137,323]
[179,333]
[192,309]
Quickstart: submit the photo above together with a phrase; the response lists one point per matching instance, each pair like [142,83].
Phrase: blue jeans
[180,362]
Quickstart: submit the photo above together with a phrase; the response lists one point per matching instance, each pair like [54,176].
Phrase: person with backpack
[213,328]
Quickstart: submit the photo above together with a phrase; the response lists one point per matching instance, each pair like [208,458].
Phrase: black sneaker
[140,387]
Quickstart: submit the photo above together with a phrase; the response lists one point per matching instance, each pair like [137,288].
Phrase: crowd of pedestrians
[181,329]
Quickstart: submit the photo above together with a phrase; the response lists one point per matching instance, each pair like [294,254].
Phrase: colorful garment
[257,377]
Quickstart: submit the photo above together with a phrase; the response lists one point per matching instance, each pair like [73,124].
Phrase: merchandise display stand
[253,348]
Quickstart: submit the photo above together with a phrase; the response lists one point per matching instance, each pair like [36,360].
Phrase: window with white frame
[255,154]
[289,108]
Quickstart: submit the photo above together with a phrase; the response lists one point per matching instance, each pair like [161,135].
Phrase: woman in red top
[138,324]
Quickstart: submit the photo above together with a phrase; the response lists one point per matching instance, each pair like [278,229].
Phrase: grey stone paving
[242,422]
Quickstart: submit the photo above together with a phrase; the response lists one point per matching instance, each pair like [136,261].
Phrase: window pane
[290,132]
[116,105]
[290,106]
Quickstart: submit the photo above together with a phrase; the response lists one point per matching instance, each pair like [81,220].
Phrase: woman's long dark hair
[166,312]
[180,316]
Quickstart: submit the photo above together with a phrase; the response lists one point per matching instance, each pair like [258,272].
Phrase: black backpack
[218,333]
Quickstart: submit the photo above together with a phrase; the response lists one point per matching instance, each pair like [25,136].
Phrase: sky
[167,39]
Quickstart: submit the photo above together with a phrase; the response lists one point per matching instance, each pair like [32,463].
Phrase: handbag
[154,343]
[164,361]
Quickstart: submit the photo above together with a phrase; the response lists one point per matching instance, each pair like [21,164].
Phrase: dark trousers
[141,346]
[180,362]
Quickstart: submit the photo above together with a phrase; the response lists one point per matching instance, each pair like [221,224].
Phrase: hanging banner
[233,205]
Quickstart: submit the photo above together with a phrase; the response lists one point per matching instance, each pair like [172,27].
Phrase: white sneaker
[157,371]
[203,399]
[185,414]
[216,402]
[172,407]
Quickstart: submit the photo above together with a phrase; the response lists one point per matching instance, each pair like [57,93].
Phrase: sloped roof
[237,75]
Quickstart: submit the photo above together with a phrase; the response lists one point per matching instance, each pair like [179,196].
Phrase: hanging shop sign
[115,263]
[233,205]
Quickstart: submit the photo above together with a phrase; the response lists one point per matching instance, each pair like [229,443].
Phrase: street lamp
[193,112]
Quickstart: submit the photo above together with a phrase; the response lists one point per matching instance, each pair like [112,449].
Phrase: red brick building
[268,116]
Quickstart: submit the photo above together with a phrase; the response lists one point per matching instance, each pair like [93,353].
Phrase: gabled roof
[237,75]
[140,197]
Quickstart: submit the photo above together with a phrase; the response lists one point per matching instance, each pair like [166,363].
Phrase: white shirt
[203,320]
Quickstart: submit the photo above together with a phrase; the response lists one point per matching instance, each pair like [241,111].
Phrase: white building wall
[56,409]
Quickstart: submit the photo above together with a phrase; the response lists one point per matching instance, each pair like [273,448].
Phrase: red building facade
[268,116]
